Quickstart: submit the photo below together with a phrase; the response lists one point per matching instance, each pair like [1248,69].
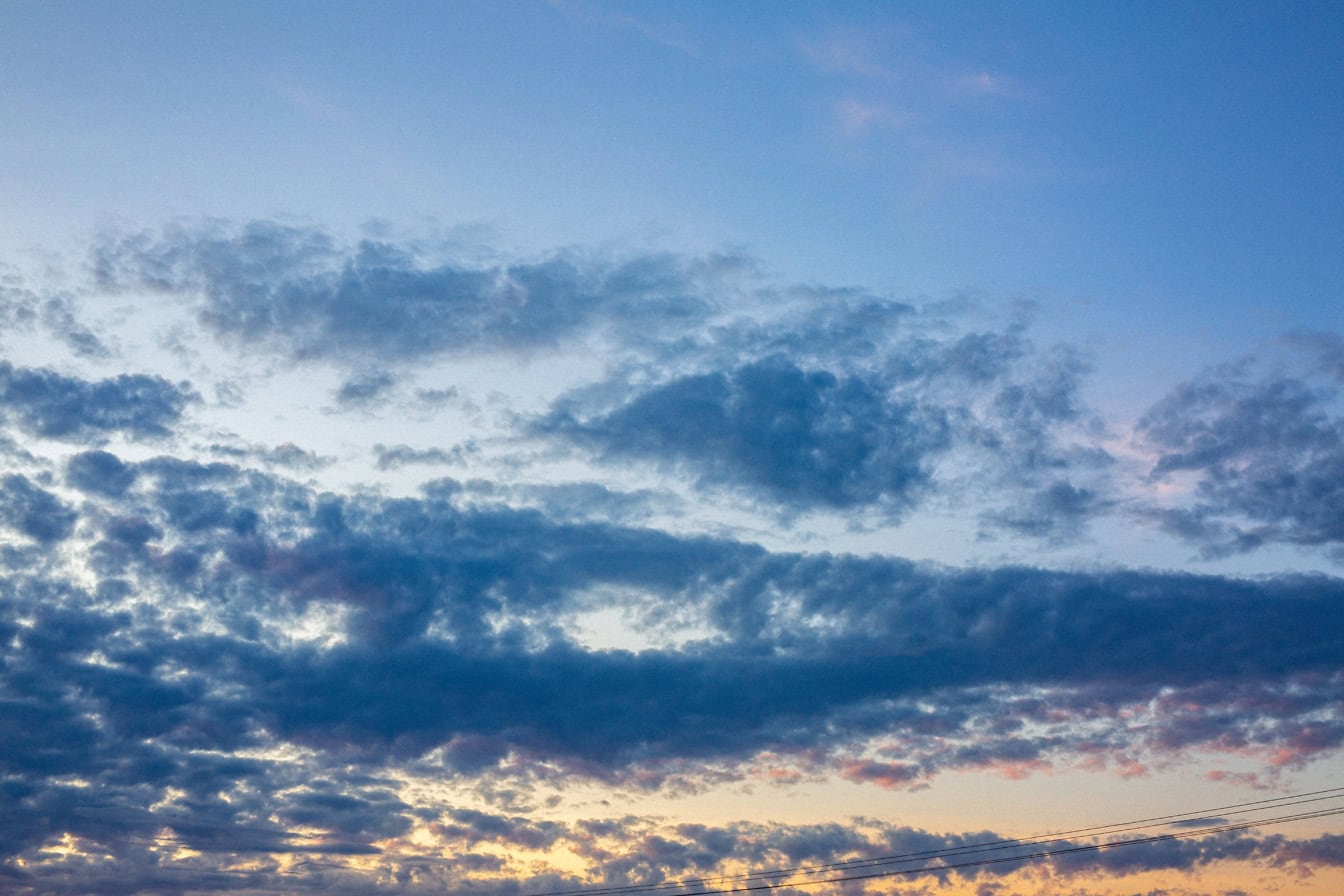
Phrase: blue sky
[502,447]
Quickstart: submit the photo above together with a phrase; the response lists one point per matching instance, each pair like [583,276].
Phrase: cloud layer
[225,667]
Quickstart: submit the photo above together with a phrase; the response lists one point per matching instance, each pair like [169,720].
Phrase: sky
[523,447]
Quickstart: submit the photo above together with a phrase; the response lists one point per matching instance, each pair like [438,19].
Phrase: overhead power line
[955,857]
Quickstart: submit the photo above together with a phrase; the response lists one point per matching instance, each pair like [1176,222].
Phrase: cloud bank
[225,667]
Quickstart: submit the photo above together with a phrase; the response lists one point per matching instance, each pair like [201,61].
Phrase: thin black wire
[970,848]
[1117,827]
[1020,857]
[1044,854]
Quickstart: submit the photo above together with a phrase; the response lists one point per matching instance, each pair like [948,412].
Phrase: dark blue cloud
[454,657]
[802,438]
[459,612]
[99,472]
[34,511]
[1059,510]
[46,403]
[861,405]
[1268,453]
[246,667]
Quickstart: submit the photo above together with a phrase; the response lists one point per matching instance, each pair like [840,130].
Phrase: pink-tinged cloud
[883,774]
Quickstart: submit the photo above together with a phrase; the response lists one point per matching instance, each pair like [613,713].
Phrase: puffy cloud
[46,403]
[297,289]
[99,472]
[223,678]
[980,414]
[803,438]
[362,390]
[1268,454]
[805,398]
[450,635]
[442,649]
[1058,510]
[34,511]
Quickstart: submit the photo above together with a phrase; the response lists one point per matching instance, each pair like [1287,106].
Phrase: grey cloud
[859,405]
[437,656]
[18,305]
[34,511]
[835,399]
[456,610]
[1269,455]
[99,472]
[1027,408]
[802,438]
[927,658]
[49,404]
[369,813]
[1058,512]
[362,390]
[563,502]
[296,289]
[249,666]
[58,315]
[1327,347]
[437,397]
[288,455]
[21,309]
[394,457]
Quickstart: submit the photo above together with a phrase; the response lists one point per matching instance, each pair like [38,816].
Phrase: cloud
[288,455]
[438,646]
[802,438]
[856,117]
[458,609]
[298,291]
[18,304]
[1327,347]
[1058,511]
[809,399]
[49,404]
[228,672]
[883,416]
[59,316]
[99,472]
[1268,453]
[34,511]
[364,389]
[393,457]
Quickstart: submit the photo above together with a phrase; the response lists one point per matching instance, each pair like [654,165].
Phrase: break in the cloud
[224,678]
